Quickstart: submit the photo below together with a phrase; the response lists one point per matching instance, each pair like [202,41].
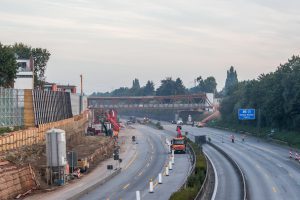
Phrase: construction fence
[15,140]
[29,108]
[11,107]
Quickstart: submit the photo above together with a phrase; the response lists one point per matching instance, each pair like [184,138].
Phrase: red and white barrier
[173,160]
[170,165]
[291,153]
[167,170]
[151,186]
[159,178]
[296,156]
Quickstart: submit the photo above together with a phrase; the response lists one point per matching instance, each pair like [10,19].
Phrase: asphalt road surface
[270,174]
[150,160]
[228,187]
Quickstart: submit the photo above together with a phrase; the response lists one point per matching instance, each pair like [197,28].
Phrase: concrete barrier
[237,168]
[94,186]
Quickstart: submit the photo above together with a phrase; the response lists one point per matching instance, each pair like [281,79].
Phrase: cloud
[163,38]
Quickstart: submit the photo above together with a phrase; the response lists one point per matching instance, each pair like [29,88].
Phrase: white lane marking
[140,173]
[216,178]
[126,186]
[279,165]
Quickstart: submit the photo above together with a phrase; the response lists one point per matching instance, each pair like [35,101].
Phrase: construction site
[25,168]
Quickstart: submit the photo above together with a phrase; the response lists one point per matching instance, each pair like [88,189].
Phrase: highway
[147,164]
[225,174]
[270,174]
[227,182]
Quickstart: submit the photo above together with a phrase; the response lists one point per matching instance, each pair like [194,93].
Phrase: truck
[178,144]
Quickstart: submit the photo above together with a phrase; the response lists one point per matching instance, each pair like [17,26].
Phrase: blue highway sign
[246,114]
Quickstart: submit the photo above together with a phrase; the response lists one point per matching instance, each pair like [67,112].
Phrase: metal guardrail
[205,180]
[237,168]
[193,161]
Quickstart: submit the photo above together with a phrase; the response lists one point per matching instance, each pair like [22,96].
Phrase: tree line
[167,87]
[275,96]
[9,67]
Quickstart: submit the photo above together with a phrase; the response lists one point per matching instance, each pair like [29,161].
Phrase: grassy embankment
[291,139]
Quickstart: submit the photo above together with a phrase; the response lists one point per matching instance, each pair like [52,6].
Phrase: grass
[5,130]
[156,125]
[291,138]
[10,129]
[195,180]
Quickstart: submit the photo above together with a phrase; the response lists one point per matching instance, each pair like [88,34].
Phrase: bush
[186,194]
[196,179]
[159,126]
[5,130]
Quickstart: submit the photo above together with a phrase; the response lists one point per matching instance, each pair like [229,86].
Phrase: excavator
[109,122]
[178,144]
[112,118]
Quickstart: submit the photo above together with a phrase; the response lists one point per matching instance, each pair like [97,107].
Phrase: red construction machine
[178,144]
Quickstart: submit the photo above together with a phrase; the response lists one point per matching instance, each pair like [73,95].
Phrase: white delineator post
[170,165]
[159,178]
[167,170]
[151,186]
[173,152]
[173,160]
[138,195]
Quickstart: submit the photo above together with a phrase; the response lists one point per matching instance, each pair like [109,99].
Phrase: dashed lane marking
[131,161]
[140,173]
[126,186]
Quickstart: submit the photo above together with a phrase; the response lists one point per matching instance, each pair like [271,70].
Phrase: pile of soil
[35,155]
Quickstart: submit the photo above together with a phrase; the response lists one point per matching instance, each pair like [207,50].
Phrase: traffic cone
[291,153]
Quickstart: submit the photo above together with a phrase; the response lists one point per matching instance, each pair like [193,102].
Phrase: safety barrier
[207,187]
[244,194]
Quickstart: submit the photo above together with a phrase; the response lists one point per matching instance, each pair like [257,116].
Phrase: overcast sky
[111,42]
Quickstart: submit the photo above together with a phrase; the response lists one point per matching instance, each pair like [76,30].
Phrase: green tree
[148,90]
[135,90]
[179,87]
[40,57]
[209,85]
[8,66]
[23,51]
[231,79]
[170,87]
[166,88]
[122,91]
[276,95]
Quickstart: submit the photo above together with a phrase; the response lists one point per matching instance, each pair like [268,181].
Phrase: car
[179,122]
[173,122]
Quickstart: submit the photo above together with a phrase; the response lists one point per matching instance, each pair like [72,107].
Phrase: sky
[111,42]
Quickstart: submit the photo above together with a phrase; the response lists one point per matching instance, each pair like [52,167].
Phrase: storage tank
[56,148]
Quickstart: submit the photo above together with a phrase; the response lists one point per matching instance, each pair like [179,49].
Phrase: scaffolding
[11,107]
